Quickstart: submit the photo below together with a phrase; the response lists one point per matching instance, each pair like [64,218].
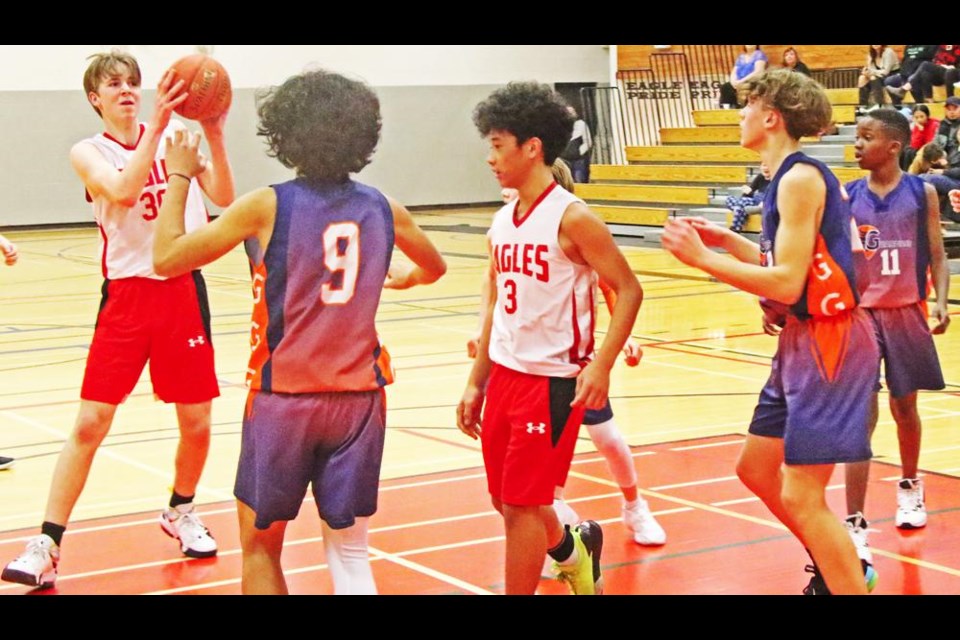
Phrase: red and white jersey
[544,317]
[126,233]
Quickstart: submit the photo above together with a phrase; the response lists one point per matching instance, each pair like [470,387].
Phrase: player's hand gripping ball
[207,84]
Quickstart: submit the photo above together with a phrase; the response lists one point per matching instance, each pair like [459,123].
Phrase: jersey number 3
[341,256]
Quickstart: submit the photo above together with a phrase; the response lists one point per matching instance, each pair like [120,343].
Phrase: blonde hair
[561,173]
[102,65]
[801,101]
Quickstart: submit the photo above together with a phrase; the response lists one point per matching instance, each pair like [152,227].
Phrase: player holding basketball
[143,316]
[536,363]
[812,413]
[899,220]
[319,247]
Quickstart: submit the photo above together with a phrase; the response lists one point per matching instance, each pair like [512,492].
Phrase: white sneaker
[565,513]
[37,565]
[857,528]
[911,511]
[645,528]
[185,525]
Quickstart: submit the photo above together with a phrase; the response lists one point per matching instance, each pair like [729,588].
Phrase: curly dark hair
[321,124]
[528,110]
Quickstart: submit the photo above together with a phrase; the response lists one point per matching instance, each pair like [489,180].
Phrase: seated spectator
[930,156]
[750,64]
[944,180]
[791,60]
[922,131]
[941,72]
[752,196]
[881,62]
[924,128]
[913,56]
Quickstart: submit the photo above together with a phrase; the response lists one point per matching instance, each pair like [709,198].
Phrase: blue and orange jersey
[831,283]
[896,250]
[830,294]
[316,290]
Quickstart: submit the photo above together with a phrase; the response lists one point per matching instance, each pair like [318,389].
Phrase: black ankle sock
[563,550]
[176,500]
[55,531]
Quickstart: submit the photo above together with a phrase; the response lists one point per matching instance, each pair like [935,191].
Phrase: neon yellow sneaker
[584,577]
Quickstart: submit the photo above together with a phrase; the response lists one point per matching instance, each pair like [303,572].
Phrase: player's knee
[91,428]
[606,438]
[194,425]
[800,501]
[748,474]
[904,412]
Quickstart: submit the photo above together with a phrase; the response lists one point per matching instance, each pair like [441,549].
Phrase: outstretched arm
[176,252]
[428,265]
[800,200]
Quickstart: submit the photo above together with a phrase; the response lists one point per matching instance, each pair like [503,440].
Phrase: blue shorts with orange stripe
[820,389]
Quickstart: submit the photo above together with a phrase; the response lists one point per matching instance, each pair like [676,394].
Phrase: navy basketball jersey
[831,283]
[317,288]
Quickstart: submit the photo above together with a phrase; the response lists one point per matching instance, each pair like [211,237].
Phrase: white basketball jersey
[544,317]
[126,233]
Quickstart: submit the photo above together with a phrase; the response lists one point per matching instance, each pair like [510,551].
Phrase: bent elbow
[161,268]
[164,266]
[436,272]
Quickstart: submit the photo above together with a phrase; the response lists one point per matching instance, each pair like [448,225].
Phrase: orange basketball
[207,84]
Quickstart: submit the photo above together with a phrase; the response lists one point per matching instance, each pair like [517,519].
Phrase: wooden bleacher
[669,173]
[842,114]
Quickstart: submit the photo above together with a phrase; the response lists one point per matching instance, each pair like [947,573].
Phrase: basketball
[207,84]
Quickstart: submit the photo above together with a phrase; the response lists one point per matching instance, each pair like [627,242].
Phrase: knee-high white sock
[611,445]
[349,560]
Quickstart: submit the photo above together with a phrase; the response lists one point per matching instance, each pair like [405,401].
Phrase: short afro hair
[528,110]
[894,124]
[321,124]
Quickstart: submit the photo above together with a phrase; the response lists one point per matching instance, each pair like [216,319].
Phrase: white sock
[349,560]
[631,505]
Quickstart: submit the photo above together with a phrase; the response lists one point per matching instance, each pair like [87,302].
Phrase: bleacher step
[839,139]
[713,214]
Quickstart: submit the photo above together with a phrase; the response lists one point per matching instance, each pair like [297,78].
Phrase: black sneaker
[584,578]
[6,463]
[816,586]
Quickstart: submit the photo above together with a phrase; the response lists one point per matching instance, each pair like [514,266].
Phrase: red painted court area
[438,534]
